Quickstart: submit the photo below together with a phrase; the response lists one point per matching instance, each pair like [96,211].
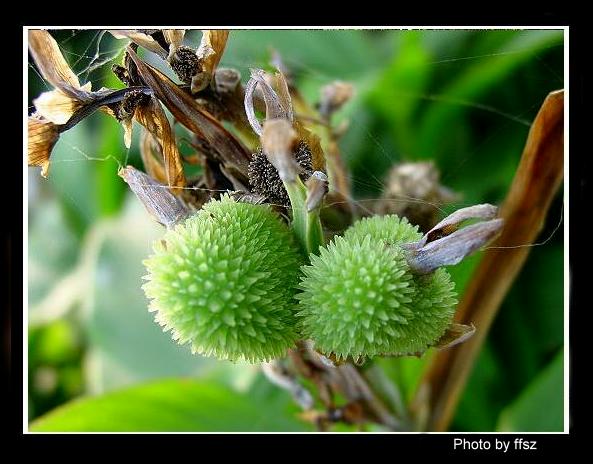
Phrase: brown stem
[536,181]
[347,380]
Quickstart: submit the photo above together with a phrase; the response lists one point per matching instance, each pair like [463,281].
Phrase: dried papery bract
[317,188]
[445,244]
[278,141]
[209,52]
[58,107]
[163,206]
[333,97]
[42,136]
[278,104]
[174,37]
[413,190]
[142,39]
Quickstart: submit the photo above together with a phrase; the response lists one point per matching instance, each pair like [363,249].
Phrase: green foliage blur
[463,98]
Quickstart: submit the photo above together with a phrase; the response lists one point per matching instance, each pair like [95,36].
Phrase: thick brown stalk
[536,181]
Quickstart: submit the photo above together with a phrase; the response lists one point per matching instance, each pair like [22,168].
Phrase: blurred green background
[462,98]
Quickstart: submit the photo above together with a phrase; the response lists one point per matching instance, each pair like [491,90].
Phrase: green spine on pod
[360,299]
[224,281]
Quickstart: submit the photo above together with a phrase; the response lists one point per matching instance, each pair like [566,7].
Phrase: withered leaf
[536,182]
[314,143]
[156,198]
[185,110]
[174,38]
[278,139]
[317,188]
[454,335]
[445,244]
[212,47]
[58,107]
[152,116]
[42,136]
[142,39]
[334,96]
[52,65]
[277,106]
[152,157]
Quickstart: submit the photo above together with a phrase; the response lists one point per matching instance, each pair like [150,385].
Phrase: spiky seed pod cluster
[265,180]
[224,281]
[360,299]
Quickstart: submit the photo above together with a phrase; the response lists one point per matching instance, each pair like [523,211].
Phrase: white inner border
[566,209]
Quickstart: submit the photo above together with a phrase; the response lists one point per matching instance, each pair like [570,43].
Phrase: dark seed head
[128,105]
[185,63]
[265,180]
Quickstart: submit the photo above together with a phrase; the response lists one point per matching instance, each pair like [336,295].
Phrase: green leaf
[396,94]
[476,80]
[323,55]
[173,405]
[540,407]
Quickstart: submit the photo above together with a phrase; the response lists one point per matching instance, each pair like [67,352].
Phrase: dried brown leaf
[231,151]
[445,244]
[536,182]
[454,335]
[153,118]
[142,39]
[174,38]
[278,140]
[155,197]
[52,65]
[314,143]
[42,136]
[212,47]
[334,96]
[317,188]
[56,106]
[152,157]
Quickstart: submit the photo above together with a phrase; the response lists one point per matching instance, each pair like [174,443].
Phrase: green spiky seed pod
[360,299]
[391,229]
[224,281]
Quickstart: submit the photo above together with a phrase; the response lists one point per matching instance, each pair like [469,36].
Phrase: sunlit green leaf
[170,405]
